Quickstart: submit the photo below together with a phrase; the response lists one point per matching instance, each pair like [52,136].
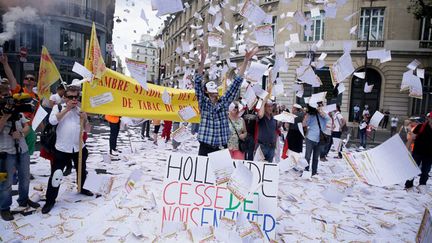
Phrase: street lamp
[118,20]
[367,44]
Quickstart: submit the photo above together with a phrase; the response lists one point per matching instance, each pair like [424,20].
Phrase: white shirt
[394,121]
[67,129]
[328,127]
[365,112]
[56,99]
[337,122]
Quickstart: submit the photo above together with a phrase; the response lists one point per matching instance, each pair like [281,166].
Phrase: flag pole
[80,153]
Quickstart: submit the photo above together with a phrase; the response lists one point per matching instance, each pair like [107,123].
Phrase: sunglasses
[71,97]
[236,107]
[30,78]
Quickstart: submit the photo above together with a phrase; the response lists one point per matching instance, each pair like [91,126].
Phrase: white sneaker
[422,189]
[361,148]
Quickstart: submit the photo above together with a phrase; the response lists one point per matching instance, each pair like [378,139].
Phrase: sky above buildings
[132,26]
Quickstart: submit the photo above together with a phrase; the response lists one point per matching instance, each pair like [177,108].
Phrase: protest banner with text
[120,95]
[190,194]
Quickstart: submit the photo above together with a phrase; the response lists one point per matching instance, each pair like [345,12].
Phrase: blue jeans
[23,168]
[363,138]
[268,151]
[315,148]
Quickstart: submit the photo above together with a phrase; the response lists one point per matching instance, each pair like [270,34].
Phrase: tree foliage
[420,8]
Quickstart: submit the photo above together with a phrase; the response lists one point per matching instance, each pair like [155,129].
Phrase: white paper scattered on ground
[300,200]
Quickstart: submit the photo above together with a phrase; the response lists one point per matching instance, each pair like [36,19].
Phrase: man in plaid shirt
[214,130]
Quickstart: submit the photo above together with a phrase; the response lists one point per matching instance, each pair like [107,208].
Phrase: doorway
[359,97]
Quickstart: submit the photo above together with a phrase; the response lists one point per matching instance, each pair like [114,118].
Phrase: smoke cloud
[15,14]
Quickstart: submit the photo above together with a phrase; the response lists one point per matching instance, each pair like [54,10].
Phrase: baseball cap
[297,106]
[211,87]
[429,115]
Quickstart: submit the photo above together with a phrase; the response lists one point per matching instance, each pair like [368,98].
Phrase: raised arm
[8,70]
[229,96]
[202,60]
[248,56]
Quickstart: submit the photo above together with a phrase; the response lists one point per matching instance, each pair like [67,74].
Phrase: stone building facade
[63,27]
[392,28]
[147,52]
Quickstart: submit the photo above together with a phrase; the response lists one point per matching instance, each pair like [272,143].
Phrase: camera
[16,104]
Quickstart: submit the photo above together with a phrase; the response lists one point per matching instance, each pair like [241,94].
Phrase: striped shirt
[214,127]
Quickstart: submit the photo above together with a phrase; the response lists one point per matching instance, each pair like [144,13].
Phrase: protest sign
[387,164]
[190,194]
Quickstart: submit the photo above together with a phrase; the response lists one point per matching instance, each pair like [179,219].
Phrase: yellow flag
[48,74]
[96,61]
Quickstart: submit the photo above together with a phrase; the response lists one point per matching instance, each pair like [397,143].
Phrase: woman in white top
[238,131]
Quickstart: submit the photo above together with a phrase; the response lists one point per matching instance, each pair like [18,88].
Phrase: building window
[239,37]
[145,59]
[137,50]
[376,23]
[274,21]
[31,37]
[426,29]
[72,44]
[137,57]
[317,27]
[423,106]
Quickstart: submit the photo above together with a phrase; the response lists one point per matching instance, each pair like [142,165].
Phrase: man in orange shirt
[114,122]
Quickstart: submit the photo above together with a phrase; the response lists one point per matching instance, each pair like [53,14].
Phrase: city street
[331,207]
[286,121]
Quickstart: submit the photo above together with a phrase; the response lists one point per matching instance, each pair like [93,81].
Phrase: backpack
[49,136]
[344,127]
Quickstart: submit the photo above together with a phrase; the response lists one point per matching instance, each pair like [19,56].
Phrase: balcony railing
[425,44]
[79,11]
[372,43]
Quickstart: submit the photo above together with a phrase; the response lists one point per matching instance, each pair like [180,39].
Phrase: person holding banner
[421,137]
[214,131]
[67,144]
[114,122]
